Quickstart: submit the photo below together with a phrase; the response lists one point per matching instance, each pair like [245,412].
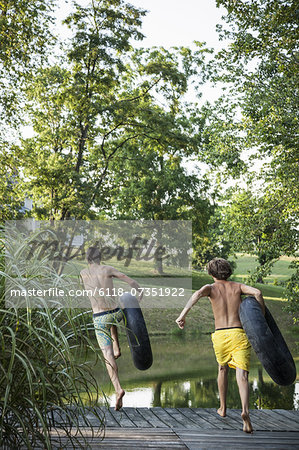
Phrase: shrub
[40,369]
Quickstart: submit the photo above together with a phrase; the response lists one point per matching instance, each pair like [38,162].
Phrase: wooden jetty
[185,428]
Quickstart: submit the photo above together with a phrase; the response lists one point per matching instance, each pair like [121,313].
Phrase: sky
[178,23]
[174,23]
[171,22]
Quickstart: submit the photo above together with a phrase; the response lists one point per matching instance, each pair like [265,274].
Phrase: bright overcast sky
[180,22]
[174,23]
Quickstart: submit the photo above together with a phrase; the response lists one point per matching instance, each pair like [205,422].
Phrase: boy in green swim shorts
[231,346]
[98,279]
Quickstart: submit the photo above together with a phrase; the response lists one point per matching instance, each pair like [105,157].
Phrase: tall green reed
[41,375]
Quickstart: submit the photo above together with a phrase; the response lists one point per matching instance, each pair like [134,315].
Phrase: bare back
[99,280]
[225,297]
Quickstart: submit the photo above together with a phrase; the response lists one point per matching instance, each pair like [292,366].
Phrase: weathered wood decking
[199,418]
[189,428]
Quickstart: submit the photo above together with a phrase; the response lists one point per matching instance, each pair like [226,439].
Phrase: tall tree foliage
[68,104]
[102,106]
[260,70]
[26,38]
[25,35]
[250,228]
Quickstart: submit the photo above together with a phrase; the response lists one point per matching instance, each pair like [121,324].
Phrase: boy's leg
[113,374]
[222,387]
[114,336]
[242,380]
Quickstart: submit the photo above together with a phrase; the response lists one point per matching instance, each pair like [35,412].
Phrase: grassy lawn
[200,319]
[247,263]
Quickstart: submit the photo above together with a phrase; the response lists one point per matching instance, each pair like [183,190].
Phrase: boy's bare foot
[247,427]
[119,400]
[221,412]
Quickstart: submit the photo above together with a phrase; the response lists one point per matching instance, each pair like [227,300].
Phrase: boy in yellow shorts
[230,342]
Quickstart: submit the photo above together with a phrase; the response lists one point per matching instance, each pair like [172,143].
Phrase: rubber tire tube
[267,342]
[136,331]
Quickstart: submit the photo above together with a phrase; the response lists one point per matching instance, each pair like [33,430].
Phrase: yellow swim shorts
[232,347]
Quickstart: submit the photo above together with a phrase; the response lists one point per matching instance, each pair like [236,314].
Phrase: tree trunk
[157,394]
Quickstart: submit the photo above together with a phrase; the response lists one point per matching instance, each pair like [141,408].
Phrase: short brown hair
[219,268]
[93,254]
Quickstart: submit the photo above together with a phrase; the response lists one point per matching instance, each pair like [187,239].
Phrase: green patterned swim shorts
[103,321]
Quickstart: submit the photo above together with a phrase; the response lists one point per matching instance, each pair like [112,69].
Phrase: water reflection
[196,393]
[271,396]
[204,394]
[184,374]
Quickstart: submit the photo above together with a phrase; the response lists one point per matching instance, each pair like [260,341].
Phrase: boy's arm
[202,292]
[123,277]
[256,293]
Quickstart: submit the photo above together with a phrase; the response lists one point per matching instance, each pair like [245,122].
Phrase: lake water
[184,374]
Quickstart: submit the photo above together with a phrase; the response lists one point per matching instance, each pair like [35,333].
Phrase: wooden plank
[272,424]
[90,419]
[142,438]
[239,433]
[293,415]
[234,419]
[110,421]
[285,419]
[228,439]
[282,423]
[236,414]
[122,418]
[58,417]
[139,438]
[201,423]
[261,423]
[148,414]
[211,416]
[132,444]
[129,438]
[137,418]
[203,414]
[190,418]
[268,420]
[165,417]
[180,417]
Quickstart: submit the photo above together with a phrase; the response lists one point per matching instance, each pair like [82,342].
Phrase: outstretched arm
[123,277]
[202,292]
[255,293]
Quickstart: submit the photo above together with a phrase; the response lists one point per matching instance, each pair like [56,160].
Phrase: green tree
[25,35]
[87,115]
[155,186]
[12,199]
[259,69]
[292,291]
[26,38]
[257,224]
[210,239]
[71,104]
